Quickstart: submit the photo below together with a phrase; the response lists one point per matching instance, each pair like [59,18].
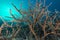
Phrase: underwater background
[5,6]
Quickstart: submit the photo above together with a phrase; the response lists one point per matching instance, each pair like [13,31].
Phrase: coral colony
[35,24]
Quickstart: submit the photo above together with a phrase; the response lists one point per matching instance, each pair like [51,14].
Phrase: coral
[32,26]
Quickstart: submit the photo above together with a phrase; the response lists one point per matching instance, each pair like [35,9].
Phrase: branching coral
[32,18]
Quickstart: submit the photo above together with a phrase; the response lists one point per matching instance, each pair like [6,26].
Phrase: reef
[36,24]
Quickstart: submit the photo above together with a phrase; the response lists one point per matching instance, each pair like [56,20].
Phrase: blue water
[5,6]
